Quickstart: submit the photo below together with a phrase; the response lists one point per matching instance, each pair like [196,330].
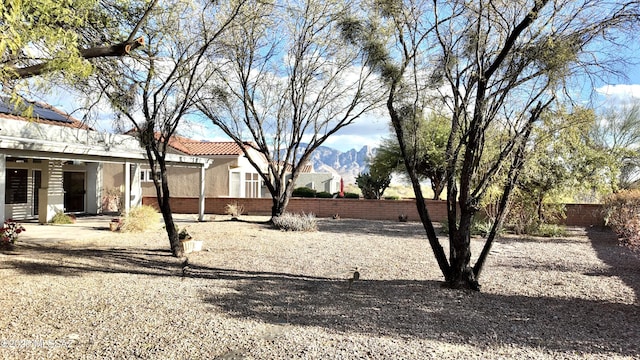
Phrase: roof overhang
[29,139]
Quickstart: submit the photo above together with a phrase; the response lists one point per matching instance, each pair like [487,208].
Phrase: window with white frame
[147,175]
[252,185]
[245,185]
[234,185]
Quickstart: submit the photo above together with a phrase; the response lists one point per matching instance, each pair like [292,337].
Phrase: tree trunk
[172,232]
[437,186]
[167,215]
[462,275]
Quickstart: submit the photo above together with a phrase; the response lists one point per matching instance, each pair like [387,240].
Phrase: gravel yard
[258,293]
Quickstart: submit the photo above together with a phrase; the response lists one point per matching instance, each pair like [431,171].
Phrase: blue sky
[372,127]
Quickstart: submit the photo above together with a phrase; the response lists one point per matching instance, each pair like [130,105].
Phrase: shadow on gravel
[399,308]
[373,227]
[33,259]
[623,262]
[423,309]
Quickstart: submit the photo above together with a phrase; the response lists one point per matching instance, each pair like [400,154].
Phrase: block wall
[577,214]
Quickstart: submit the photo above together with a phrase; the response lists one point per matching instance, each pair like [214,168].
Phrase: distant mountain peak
[347,164]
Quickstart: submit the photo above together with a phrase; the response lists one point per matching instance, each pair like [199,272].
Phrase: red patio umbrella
[341,187]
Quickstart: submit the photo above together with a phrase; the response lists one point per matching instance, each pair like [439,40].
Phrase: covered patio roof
[24,138]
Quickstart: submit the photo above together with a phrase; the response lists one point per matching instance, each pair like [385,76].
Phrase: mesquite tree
[287,81]
[497,67]
[46,37]
[157,89]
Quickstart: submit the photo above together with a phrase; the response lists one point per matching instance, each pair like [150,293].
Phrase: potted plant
[115,224]
[186,240]
[9,233]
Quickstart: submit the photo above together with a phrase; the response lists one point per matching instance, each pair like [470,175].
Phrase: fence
[577,214]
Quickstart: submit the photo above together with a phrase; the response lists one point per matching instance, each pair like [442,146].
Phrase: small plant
[351,196]
[9,232]
[139,219]
[60,218]
[479,227]
[184,234]
[234,209]
[296,222]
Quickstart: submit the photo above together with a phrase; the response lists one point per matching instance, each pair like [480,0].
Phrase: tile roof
[205,148]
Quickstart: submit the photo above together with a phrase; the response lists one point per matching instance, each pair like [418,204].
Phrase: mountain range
[347,164]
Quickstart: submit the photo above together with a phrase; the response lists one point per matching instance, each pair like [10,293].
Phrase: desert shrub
[112,200]
[304,192]
[139,219]
[324,195]
[622,214]
[295,222]
[351,196]
[527,216]
[60,218]
[479,227]
[234,209]
[392,197]
[373,184]
[549,230]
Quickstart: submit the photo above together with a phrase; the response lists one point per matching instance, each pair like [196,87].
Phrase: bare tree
[496,66]
[288,78]
[156,89]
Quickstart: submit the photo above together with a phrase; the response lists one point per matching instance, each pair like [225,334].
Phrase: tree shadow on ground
[398,308]
[623,262]
[425,310]
[373,227]
[34,259]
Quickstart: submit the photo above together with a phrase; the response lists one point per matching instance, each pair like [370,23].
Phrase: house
[51,162]
[231,174]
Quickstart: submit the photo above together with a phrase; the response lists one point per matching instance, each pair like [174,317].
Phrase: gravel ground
[257,293]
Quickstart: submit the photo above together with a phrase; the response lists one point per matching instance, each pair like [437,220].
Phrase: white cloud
[620,90]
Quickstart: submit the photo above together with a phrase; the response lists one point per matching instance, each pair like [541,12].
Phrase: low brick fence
[577,214]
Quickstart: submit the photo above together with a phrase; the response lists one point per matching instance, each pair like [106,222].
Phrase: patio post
[3,181]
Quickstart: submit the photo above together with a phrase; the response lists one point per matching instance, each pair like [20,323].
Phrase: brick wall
[577,214]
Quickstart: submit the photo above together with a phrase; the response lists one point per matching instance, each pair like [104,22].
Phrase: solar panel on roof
[43,113]
[37,112]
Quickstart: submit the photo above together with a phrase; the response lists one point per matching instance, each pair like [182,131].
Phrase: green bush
[549,230]
[622,214]
[60,218]
[479,227]
[324,195]
[295,222]
[304,192]
[139,219]
[392,197]
[351,196]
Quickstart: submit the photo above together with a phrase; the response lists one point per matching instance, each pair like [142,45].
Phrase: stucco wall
[185,182]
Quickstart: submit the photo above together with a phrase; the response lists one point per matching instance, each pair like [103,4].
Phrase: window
[234,184]
[252,185]
[244,185]
[16,186]
[146,175]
